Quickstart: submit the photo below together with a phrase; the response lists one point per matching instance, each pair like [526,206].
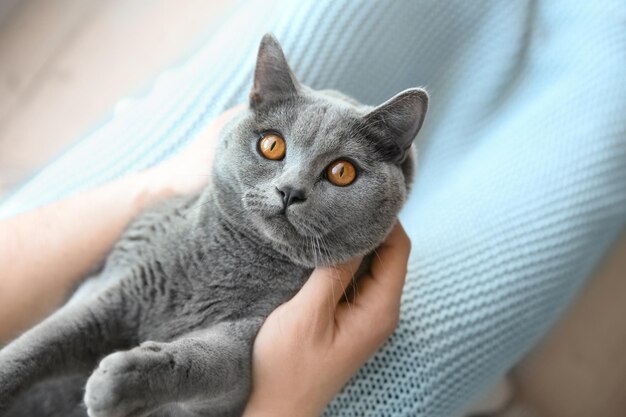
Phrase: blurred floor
[579,370]
[64,64]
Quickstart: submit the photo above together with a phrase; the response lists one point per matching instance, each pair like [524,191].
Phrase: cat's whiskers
[327,247]
[318,251]
[323,245]
[311,243]
[353,278]
[353,282]
[314,247]
[382,265]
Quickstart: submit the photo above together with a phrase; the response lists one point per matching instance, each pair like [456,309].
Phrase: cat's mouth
[279,227]
[286,227]
[292,227]
[282,218]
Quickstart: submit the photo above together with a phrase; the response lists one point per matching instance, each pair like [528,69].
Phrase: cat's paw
[128,383]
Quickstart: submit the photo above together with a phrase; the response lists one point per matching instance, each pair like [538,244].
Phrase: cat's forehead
[315,124]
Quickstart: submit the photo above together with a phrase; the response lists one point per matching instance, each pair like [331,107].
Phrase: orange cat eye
[341,173]
[272,146]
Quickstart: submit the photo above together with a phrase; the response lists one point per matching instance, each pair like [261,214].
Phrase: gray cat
[301,178]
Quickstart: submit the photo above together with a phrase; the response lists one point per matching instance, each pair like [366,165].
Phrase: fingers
[327,285]
[376,307]
[207,138]
[374,313]
[220,121]
[390,261]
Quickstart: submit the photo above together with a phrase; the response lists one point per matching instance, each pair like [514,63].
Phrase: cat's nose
[291,195]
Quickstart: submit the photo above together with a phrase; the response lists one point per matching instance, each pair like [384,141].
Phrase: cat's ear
[399,119]
[273,79]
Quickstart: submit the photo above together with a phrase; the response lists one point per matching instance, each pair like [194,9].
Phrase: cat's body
[201,270]
[183,293]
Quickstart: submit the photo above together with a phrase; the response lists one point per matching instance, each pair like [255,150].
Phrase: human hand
[189,170]
[309,347]
[36,277]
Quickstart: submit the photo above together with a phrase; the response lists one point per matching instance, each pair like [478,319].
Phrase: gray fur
[171,318]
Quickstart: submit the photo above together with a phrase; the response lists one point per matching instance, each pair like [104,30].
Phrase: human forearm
[44,252]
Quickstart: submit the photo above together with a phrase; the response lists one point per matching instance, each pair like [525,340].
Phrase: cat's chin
[286,239]
[278,229]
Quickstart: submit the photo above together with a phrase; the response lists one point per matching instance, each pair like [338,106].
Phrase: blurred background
[65,63]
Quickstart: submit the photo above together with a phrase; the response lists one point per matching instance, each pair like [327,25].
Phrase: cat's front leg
[203,373]
[71,340]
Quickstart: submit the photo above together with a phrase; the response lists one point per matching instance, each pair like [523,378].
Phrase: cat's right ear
[273,79]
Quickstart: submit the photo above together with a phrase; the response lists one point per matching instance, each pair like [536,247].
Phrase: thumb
[326,286]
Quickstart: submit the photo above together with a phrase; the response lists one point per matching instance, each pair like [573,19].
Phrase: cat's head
[315,173]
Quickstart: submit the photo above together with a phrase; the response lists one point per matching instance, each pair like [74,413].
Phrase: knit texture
[522,181]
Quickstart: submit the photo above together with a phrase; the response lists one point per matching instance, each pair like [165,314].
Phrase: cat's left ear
[273,79]
[399,119]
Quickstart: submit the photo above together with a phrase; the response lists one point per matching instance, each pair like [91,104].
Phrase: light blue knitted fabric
[522,183]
